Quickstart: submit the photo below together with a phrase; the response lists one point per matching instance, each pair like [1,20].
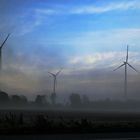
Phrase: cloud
[106,60]
[27,20]
[46,11]
[101,49]
[92,58]
[91,9]
[103,40]
[34,17]
[92,50]
[91,74]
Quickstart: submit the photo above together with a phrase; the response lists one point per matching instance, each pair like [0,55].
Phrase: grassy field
[58,121]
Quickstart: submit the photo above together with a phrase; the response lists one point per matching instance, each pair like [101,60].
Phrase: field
[58,121]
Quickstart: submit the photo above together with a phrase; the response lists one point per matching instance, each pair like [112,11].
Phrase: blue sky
[78,35]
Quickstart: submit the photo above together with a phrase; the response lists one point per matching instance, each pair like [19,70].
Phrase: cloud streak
[106,8]
[106,60]
[106,40]
[38,15]
[91,9]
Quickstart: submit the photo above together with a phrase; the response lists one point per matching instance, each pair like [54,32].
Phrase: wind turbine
[125,64]
[1,46]
[54,75]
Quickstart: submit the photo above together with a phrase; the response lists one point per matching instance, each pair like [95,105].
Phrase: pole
[125,83]
[54,94]
[54,84]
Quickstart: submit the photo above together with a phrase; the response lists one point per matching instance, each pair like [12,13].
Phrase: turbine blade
[4,41]
[58,72]
[51,74]
[127,54]
[132,67]
[118,67]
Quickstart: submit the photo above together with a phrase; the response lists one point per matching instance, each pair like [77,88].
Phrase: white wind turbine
[54,75]
[125,64]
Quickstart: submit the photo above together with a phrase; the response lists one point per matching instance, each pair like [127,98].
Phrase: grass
[45,123]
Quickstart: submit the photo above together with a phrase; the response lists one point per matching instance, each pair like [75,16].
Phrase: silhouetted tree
[40,100]
[85,100]
[19,100]
[15,99]
[53,98]
[75,100]
[4,98]
[23,99]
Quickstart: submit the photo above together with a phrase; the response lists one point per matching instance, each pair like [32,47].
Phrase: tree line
[6,100]
[75,101]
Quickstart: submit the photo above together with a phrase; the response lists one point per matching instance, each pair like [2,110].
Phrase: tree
[53,98]
[75,100]
[85,100]
[23,99]
[15,99]
[40,100]
[19,100]
[4,98]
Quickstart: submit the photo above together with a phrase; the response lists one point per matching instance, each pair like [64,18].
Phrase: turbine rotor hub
[125,62]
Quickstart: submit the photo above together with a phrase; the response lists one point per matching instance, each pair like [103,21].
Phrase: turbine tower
[1,50]
[125,64]
[54,75]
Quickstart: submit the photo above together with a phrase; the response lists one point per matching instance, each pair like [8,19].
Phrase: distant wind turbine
[1,50]
[125,63]
[54,75]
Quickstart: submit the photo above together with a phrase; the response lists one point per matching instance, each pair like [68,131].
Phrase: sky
[86,38]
